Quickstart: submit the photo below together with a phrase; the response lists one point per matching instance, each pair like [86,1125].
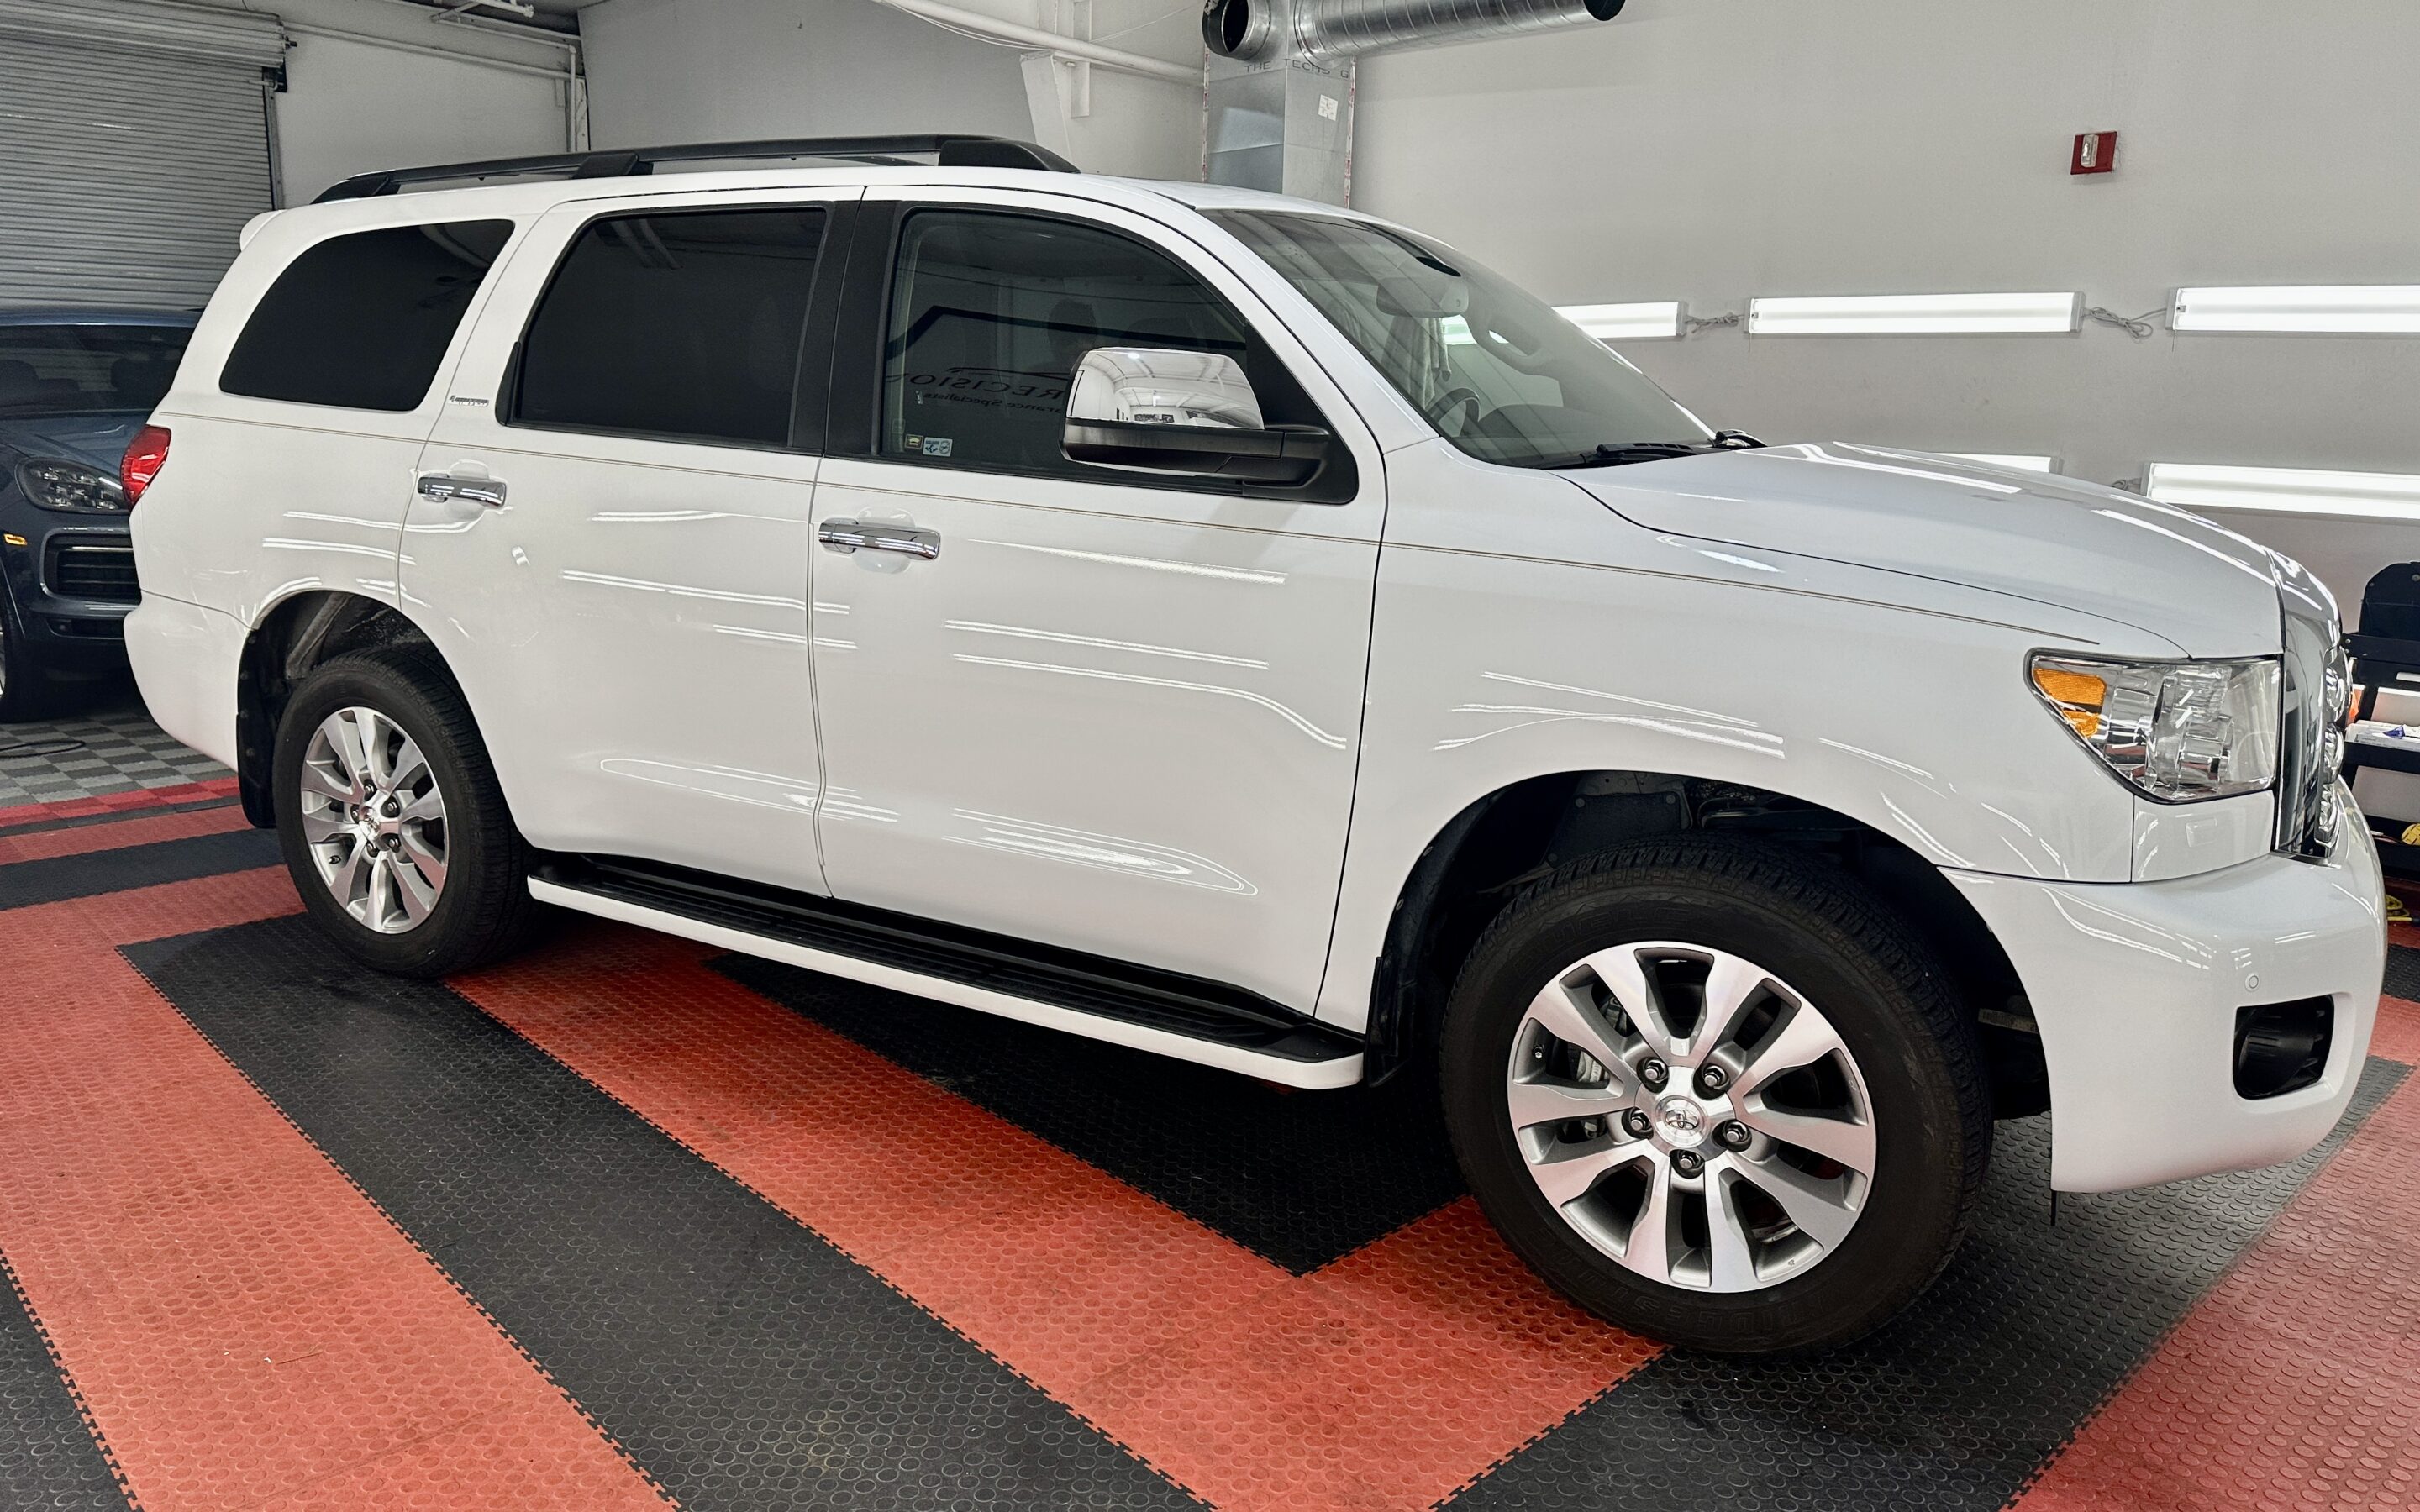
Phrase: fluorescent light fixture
[1998,459]
[2357,308]
[1923,314]
[1656,321]
[2286,490]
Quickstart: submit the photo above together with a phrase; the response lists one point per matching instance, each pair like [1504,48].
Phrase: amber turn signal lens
[2078,696]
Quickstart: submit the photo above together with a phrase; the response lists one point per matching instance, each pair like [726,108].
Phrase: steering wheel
[1447,403]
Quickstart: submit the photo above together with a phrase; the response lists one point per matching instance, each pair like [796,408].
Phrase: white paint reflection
[644,585]
[2135,935]
[1062,638]
[2203,547]
[1923,836]
[730,784]
[1899,465]
[1676,720]
[1289,715]
[1881,759]
[2059,863]
[1109,853]
[1196,569]
[746,634]
[847,803]
[340,549]
[655,516]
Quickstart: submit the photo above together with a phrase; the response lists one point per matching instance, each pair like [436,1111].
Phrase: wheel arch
[293,636]
[1506,838]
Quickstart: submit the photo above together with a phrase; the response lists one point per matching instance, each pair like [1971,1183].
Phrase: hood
[2030,536]
[96,440]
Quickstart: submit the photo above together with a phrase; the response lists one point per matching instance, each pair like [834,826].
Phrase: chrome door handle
[441,487]
[846,535]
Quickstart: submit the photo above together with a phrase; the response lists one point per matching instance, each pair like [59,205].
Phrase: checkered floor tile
[99,741]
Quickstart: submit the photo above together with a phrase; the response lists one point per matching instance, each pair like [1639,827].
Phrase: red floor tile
[44,844]
[2296,1382]
[241,1323]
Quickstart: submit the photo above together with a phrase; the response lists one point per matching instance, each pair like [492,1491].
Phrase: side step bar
[1184,1017]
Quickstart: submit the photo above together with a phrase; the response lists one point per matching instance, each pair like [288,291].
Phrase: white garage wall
[700,71]
[1713,150]
[353,107]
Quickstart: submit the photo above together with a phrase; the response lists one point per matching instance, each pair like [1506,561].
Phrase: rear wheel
[391,818]
[1717,1094]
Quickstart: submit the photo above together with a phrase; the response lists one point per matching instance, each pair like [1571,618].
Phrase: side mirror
[1185,412]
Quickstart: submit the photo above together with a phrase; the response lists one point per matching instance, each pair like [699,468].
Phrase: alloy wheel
[374,820]
[1691,1115]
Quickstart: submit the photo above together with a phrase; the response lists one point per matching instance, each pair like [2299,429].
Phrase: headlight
[70,487]
[2177,730]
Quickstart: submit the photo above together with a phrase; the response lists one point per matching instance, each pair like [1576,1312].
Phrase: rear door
[1118,712]
[608,533]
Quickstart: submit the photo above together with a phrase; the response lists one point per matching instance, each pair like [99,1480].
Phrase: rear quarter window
[360,321]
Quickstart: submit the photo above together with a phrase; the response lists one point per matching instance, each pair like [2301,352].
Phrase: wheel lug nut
[1713,1079]
[394,808]
[1686,1161]
[1653,1071]
[1635,1125]
[1734,1135]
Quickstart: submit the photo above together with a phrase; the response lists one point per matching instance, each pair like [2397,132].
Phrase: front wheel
[1717,1094]
[391,822]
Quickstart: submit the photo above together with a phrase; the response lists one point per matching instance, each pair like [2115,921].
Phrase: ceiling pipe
[1319,31]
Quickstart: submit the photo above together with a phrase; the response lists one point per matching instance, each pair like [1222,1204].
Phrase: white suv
[1242,629]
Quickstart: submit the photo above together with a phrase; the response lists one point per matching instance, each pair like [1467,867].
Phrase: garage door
[135,149]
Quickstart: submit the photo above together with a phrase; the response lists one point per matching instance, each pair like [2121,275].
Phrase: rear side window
[682,325]
[360,321]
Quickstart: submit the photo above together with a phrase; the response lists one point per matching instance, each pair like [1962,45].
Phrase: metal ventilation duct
[1320,31]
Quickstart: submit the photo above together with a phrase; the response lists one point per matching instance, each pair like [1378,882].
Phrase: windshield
[82,369]
[1498,372]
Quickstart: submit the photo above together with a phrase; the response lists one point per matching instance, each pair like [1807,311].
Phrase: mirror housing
[1191,413]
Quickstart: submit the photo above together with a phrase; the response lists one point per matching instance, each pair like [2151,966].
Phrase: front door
[612,516]
[1116,712]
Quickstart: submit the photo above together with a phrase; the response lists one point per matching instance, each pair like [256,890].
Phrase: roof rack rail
[951,151]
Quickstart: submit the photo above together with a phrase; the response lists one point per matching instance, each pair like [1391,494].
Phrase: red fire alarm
[2095,152]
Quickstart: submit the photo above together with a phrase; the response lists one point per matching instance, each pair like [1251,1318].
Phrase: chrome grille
[2317,694]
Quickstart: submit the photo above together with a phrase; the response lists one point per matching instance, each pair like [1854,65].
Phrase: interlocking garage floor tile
[58,877]
[48,1455]
[737,1356]
[243,1328]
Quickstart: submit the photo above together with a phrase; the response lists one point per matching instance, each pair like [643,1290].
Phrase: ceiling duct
[1257,31]
[1279,95]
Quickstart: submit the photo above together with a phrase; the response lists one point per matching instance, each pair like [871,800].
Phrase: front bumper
[71,580]
[2136,987]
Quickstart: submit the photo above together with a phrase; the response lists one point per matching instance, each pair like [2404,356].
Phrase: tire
[1848,1037]
[479,908]
[25,690]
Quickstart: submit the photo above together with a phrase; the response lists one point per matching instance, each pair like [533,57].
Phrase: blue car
[75,389]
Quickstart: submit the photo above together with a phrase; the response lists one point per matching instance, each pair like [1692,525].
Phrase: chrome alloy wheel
[374,820]
[1691,1115]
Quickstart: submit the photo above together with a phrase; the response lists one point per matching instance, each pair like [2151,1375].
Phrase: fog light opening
[2281,1047]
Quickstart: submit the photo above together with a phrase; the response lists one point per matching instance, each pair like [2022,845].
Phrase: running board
[1184,1017]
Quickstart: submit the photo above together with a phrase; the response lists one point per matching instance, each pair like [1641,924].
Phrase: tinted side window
[683,324]
[362,320]
[990,312]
